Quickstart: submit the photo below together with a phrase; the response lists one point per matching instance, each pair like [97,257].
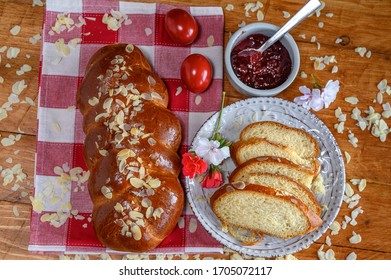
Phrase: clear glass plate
[234,118]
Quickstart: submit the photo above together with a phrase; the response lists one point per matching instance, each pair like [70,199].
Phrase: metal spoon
[302,14]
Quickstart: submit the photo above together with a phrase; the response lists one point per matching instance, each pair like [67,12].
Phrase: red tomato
[196,73]
[181,26]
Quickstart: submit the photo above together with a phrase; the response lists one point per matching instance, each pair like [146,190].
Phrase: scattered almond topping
[178,91]
[355,238]
[229,7]
[210,41]
[242,24]
[361,51]
[12,52]
[148,31]
[286,14]
[352,100]
[351,256]
[348,157]
[192,225]
[34,39]
[15,30]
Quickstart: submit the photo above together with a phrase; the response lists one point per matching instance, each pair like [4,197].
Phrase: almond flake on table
[242,24]
[352,139]
[355,238]
[352,100]
[338,40]
[148,31]
[35,38]
[352,256]
[210,41]
[334,69]
[15,211]
[229,7]
[348,157]
[15,30]
[361,51]
[115,19]
[286,14]
[38,3]
[329,15]
[13,52]
[303,75]
[260,15]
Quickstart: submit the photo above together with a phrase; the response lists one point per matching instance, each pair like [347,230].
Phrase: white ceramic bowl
[268,30]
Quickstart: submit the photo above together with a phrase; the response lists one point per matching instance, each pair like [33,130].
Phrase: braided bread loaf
[130,149]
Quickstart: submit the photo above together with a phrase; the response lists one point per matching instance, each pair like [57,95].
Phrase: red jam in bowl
[261,71]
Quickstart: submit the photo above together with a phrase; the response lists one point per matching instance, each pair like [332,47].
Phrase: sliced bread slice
[297,140]
[245,236]
[264,210]
[274,165]
[245,150]
[285,184]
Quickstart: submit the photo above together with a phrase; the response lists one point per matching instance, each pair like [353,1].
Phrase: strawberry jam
[261,70]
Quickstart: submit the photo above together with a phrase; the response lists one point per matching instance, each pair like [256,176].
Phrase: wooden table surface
[358,23]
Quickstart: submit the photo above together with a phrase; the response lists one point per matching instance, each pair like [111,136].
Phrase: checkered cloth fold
[61,219]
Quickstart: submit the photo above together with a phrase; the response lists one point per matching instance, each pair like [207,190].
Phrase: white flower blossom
[317,99]
[210,151]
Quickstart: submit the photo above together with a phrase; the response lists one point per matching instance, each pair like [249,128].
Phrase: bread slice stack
[269,190]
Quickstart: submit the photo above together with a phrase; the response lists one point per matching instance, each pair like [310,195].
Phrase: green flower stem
[216,132]
[317,85]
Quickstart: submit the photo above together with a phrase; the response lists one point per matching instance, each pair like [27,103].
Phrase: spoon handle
[303,13]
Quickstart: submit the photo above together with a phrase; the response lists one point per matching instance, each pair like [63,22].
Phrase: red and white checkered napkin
[61,221]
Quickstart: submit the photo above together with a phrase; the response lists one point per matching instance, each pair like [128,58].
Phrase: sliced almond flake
[334,69]
[15,30]
[260,15]
[178,91]
[7,142]
[151,80]
[129,48]
[355,238]
[379,97]
[56,127]
[329,15]
[330,255]
[229,7]
[335,227]
[1,80]
[148,31]
[146,202]
[107,192]
[303,75]
[313,39]
[210,40]
[118,207]
[12,52]
[93,101]
[362,185]
[338,40]
[136,182]
[136,231]
[198,100]
[368,54]
[328,241]
[192,225]
[286,14]
[242,24]
[348,157]
[151,141]
[352,256]
[361,51]
[302,36]
[352,100]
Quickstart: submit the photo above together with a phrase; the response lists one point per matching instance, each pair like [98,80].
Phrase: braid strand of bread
[130,149]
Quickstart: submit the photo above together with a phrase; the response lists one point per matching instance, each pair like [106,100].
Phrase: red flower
[213,179]
[192,165]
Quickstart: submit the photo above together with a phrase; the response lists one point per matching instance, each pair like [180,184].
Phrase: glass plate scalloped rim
[234,118]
